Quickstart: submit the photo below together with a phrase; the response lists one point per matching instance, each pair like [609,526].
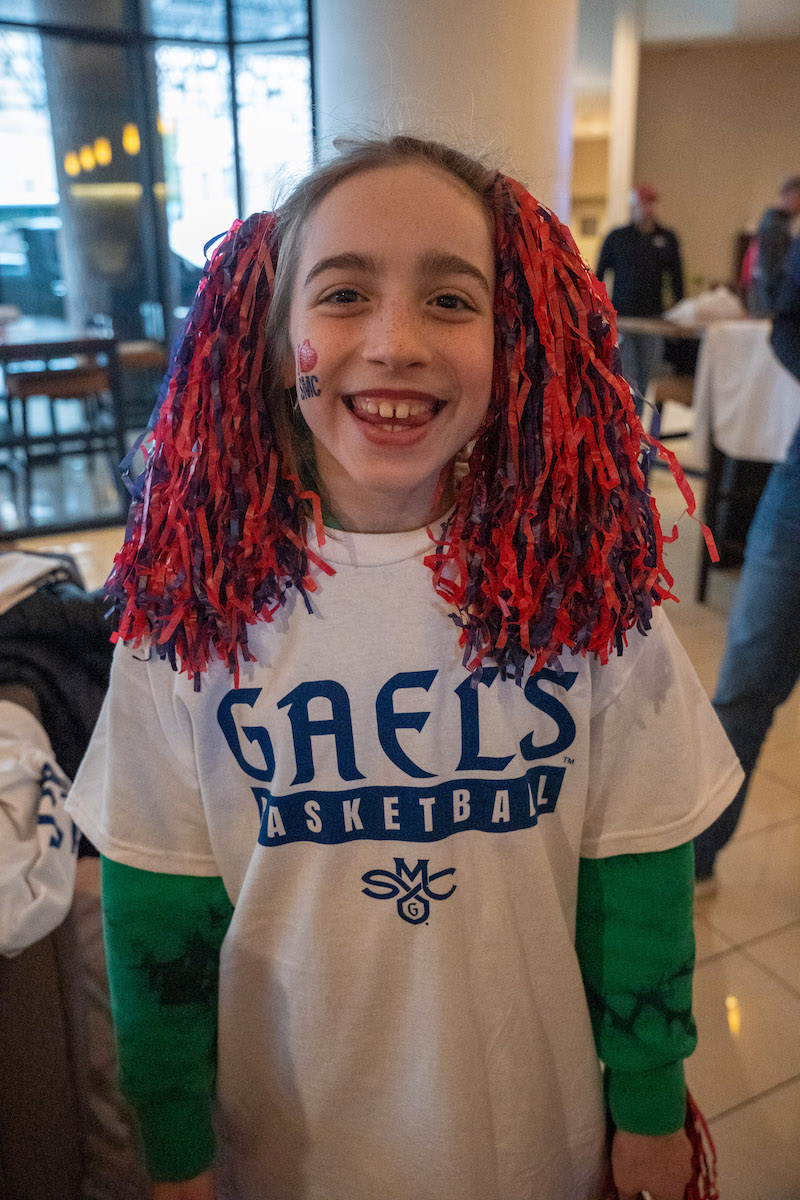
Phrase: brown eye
[452,303]
[342,296]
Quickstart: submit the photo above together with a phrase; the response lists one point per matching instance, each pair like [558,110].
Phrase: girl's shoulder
[651,659]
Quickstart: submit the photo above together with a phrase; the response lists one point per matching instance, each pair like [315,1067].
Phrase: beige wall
[718,128]
[589,168]
[588,188]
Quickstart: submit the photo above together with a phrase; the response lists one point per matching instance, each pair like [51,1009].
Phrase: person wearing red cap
[641,255]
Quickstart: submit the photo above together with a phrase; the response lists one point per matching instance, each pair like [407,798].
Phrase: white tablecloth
[743,398]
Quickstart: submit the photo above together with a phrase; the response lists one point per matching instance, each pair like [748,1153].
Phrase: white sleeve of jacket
[37,839]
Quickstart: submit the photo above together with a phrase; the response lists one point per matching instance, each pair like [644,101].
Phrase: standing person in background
[774,237]
[753,678]
[641,254]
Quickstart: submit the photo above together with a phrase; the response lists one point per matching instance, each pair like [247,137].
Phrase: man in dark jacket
[774,238]
[644,256]
[762,657]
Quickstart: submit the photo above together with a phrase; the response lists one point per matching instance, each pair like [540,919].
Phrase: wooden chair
[142,366]
[11,465]
[677,388]
[87,383]
[142,356]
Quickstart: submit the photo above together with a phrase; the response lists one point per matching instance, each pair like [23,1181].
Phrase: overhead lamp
[102,151]
[72,164]
[87,158]
[131,142]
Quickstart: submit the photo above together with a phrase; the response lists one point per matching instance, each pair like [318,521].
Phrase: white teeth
[385,408]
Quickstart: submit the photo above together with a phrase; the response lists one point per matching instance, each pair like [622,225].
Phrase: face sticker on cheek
[307,384]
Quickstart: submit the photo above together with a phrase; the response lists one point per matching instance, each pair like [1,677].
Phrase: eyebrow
[432,263]
[435,263]
[349,261]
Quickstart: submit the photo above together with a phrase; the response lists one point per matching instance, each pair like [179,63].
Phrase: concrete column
[488,77]
[624,95]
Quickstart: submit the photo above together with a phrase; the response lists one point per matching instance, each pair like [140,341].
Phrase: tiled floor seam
[751,833]
[776,1087]
[772,974]
[779,778]
[748,941]
[714,956]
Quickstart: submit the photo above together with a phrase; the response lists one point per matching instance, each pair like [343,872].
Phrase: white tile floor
[746,1071]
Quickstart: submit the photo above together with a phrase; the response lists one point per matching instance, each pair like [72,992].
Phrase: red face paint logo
[306,357]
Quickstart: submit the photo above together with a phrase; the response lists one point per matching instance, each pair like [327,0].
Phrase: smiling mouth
[402,413]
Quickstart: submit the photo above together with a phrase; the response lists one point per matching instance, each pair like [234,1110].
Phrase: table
[747,410]
[746,403]
[46,339]
[658,327]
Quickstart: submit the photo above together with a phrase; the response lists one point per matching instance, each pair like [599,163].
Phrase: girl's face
[392,329]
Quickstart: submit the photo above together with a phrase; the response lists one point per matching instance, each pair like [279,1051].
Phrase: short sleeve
[136,795]
[661,768]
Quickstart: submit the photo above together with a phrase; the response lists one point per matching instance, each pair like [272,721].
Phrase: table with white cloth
[746,412]
[745,402]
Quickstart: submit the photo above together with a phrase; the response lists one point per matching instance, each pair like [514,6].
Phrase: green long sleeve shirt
[634,942]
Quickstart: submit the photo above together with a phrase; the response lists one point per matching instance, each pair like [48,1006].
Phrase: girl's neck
[386,512]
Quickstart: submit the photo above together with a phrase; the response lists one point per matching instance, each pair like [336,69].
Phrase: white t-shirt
[401,1008]
[37,839]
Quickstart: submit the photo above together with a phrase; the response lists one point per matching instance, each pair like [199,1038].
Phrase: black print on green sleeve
[191,975]
[652,1001]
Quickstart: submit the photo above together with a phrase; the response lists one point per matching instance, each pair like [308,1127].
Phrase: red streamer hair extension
[555,543]
[217,530]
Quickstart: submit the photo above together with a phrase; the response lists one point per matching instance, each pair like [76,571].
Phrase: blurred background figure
[644,256]
[773,239]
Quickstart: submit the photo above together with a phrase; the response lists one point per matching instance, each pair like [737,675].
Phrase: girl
[418,804]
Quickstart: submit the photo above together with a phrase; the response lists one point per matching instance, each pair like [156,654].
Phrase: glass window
[118,141]
[196,130]
[187,18]
[107,236]
[31,278]
[97,14]
[73,219]
[273,90]
[257,20]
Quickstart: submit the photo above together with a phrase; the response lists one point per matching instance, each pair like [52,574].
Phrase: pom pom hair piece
[554,542]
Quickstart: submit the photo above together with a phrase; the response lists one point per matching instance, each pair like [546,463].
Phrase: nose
[395,336]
